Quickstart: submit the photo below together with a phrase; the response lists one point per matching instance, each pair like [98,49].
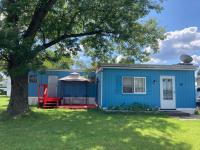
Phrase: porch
[73,91]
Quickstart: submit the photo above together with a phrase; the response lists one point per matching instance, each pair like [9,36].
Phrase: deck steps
[50,104]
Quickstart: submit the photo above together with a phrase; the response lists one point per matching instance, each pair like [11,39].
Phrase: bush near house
[133,107]
[197,111]
[2,92]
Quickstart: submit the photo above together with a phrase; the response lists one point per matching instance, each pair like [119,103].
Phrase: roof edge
[149,66]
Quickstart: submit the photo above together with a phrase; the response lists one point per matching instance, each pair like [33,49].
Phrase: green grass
[94,130]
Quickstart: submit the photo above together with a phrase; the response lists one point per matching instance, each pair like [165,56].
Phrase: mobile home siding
[76,89]
[69,89]
[112,87]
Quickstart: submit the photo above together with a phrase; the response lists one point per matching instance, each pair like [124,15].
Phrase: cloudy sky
[181,20]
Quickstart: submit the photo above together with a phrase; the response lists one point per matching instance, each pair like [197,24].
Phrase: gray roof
[74,77]
[68,70]
[150,66]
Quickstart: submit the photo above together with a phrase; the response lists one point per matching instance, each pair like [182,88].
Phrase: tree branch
[65,36]
[39,14]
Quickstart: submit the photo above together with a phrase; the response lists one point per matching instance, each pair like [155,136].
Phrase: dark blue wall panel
[75,89]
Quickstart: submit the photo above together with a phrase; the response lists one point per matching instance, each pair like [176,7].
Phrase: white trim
[99,69]
[104,108]
[101,102]
[186,110]
[32,100]
[145,92]
[144,85]
[174,91]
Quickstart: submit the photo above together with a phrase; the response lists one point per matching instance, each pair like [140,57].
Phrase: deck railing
[78,100]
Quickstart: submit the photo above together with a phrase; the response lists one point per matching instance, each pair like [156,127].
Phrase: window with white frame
[128,85]
[135,85]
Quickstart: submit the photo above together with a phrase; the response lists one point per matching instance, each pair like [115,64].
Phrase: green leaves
[104,28]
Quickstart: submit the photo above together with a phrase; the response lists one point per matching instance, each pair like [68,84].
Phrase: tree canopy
[101,29]
[104,28]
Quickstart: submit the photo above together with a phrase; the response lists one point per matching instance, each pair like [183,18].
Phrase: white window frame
[144,85]
[134,77]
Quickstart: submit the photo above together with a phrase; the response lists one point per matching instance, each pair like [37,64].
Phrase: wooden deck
[83,106]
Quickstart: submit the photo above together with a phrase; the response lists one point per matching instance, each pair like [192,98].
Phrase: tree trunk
[18,103]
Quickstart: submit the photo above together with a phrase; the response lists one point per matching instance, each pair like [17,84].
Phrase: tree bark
[18,103]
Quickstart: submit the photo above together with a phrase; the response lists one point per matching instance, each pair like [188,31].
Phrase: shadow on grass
[92,129]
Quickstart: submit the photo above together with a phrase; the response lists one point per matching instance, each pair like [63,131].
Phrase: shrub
[197,111]
[133,107]
[2,92]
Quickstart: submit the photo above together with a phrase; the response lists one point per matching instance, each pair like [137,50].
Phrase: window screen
[134,85]
[139,85]
[128,85]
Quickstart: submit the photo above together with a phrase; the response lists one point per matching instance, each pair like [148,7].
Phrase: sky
[181,20]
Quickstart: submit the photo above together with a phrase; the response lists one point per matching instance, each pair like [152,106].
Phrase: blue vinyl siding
[66,88]
[33,87]
[77,89]
[112,87]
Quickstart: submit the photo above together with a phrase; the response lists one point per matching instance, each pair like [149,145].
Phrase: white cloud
[196,59]
[156,61]
[119,58]
[185,41]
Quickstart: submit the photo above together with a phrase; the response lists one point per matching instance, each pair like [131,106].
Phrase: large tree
[53,61]
[102,29]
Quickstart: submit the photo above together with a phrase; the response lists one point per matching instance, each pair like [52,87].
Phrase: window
[33,79]
[140,85]
[167,89]
[135,85]
[128,85]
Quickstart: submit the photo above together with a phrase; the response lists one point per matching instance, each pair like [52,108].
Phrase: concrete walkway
[182,115]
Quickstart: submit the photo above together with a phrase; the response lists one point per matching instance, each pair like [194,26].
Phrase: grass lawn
[93,130]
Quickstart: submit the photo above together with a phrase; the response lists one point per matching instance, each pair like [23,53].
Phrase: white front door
[167,92]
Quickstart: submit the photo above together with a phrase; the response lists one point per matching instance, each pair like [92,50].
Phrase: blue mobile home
[162,86]
[59,88]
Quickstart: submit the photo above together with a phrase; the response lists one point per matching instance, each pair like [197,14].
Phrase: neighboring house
[198,81]
[8,90]
[198,90]
[162,86]
[5,85]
